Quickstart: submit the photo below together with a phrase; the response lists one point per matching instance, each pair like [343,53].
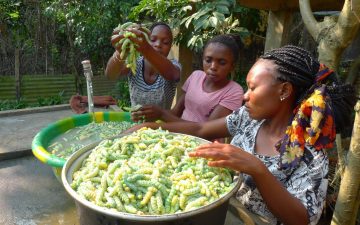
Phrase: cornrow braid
[298,67]
[295,65]
[231,41]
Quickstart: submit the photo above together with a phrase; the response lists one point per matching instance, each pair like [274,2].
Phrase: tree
[333,34]
[89,24]
[87,27]
[198,21]
[347,204]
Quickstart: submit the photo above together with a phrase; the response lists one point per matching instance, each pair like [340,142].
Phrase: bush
[12,104]
[51,100]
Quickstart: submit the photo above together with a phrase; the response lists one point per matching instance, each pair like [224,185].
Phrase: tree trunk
[332,35]
[17,73]
[347,204]
[286,5]
[78,85]
[277,33]
[185,59]
[354,71]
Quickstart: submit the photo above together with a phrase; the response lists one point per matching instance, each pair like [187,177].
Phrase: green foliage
[13,18]
[9,12]
[162,10]
[199,21]
[41,101]
[12,104]
[122,93]
[89,23]
[51,100]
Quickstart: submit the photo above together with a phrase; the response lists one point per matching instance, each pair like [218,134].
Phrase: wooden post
[347,204]
[185,59]
[278,29]
[17,74]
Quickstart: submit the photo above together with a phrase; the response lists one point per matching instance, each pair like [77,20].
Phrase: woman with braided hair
[292,107]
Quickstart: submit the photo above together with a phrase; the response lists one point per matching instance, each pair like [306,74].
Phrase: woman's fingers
[212,151]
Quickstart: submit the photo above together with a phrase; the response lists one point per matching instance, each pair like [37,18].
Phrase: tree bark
[278,28]
[276,5]
[332,35]
[346,207]
[78,85]
[185,59]
[354,71]
[17,73]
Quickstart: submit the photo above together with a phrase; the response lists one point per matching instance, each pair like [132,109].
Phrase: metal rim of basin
[74,162]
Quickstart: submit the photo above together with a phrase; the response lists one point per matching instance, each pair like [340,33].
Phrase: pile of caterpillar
[127,45]
[149,172]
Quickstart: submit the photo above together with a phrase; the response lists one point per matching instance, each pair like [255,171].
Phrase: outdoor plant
[12,104]
[121,93]
[198,21]
[51,100]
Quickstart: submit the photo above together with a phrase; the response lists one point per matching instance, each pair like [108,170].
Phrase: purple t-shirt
[200,104]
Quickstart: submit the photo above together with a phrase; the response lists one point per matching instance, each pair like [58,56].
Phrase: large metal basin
[89,213]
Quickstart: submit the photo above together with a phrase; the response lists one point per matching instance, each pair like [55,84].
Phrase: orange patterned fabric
[313,124]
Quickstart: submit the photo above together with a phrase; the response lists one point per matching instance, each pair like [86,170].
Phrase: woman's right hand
[147,113]
[115,38]
[139,39]
[229,156]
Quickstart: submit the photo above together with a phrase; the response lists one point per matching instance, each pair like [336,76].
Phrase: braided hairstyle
[298,67]
[233,42]
[161,24]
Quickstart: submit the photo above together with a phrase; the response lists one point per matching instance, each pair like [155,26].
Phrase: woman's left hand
[229,156]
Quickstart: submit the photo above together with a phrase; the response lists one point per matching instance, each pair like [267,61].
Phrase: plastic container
[42,139]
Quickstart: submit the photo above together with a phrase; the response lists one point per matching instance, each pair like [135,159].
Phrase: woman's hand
[229,156]
[115,38]
[147,113]
[140,39]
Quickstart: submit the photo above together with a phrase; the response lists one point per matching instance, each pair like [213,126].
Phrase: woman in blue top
[156,77]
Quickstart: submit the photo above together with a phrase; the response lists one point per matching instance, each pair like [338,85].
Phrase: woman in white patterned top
[156,76]
[279,136]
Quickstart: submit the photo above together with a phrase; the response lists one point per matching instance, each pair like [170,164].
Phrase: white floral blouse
[308,182]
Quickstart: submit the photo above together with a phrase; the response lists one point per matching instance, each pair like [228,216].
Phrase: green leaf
[200,13]
[219,16]
[224,2]
[192,41]
[213,21]
[14,15]
[222,9]
[185,19]
[186,8]
[188,22]
[200,23]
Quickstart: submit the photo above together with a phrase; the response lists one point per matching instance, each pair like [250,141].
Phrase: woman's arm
[116,67]
[219,111]
[153,112]
[280,202]
[208,130]
[159,62]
